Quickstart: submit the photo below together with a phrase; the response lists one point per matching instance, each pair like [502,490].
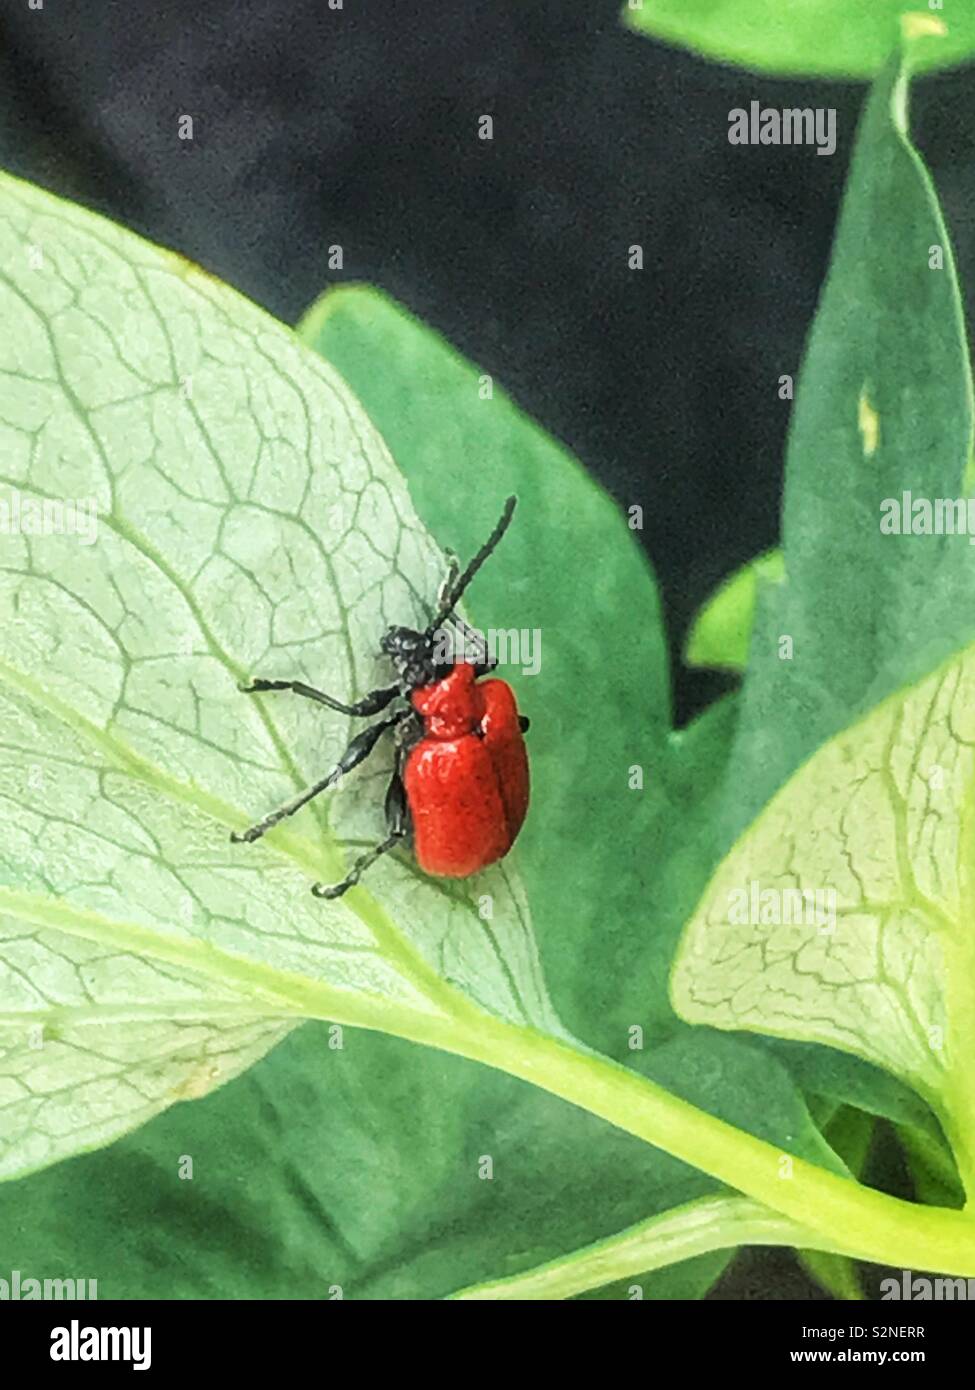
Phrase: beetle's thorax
[449,706]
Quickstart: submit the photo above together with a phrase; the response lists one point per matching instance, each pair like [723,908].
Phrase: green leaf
[837,1274]
[883,406]
[249,520]
[933,1170]
[850,1135]
[864,612]
[722,630]
[426,1112]
[877,829]
[850,1081]
[820,38]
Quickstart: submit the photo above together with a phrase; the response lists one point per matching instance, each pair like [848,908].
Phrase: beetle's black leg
[372,703]
[398,825]
[524,723]
[357,752]
[336,890]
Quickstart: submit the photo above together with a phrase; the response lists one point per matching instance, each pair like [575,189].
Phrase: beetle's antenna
[453,595]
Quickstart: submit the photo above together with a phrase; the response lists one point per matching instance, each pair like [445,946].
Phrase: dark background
[359,127]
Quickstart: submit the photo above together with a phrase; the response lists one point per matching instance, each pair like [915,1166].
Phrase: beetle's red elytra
[467,779]
[460,785]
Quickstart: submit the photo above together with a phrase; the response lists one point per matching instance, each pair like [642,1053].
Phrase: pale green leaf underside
[250,520]
[880,817]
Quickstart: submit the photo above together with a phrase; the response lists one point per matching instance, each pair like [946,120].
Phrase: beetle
[460,783]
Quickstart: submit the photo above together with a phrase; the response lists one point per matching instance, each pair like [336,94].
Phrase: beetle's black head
[412,655]
[420,658]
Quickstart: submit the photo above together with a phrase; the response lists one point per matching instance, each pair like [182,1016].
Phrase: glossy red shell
[467,779]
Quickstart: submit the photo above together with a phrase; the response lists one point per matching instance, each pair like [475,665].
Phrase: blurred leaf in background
[811,38]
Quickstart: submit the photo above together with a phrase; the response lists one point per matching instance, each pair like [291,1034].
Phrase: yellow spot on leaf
[868,422]
[186,269]
[198,1083]
[917,25]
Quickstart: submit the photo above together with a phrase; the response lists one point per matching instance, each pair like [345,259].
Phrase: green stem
[696,1228]
[885,1230]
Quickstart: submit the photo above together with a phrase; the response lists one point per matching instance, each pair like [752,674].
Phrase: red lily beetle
[459,787]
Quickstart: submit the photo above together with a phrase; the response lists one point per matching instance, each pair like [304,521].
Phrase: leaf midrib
[390,942]
[263,983]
